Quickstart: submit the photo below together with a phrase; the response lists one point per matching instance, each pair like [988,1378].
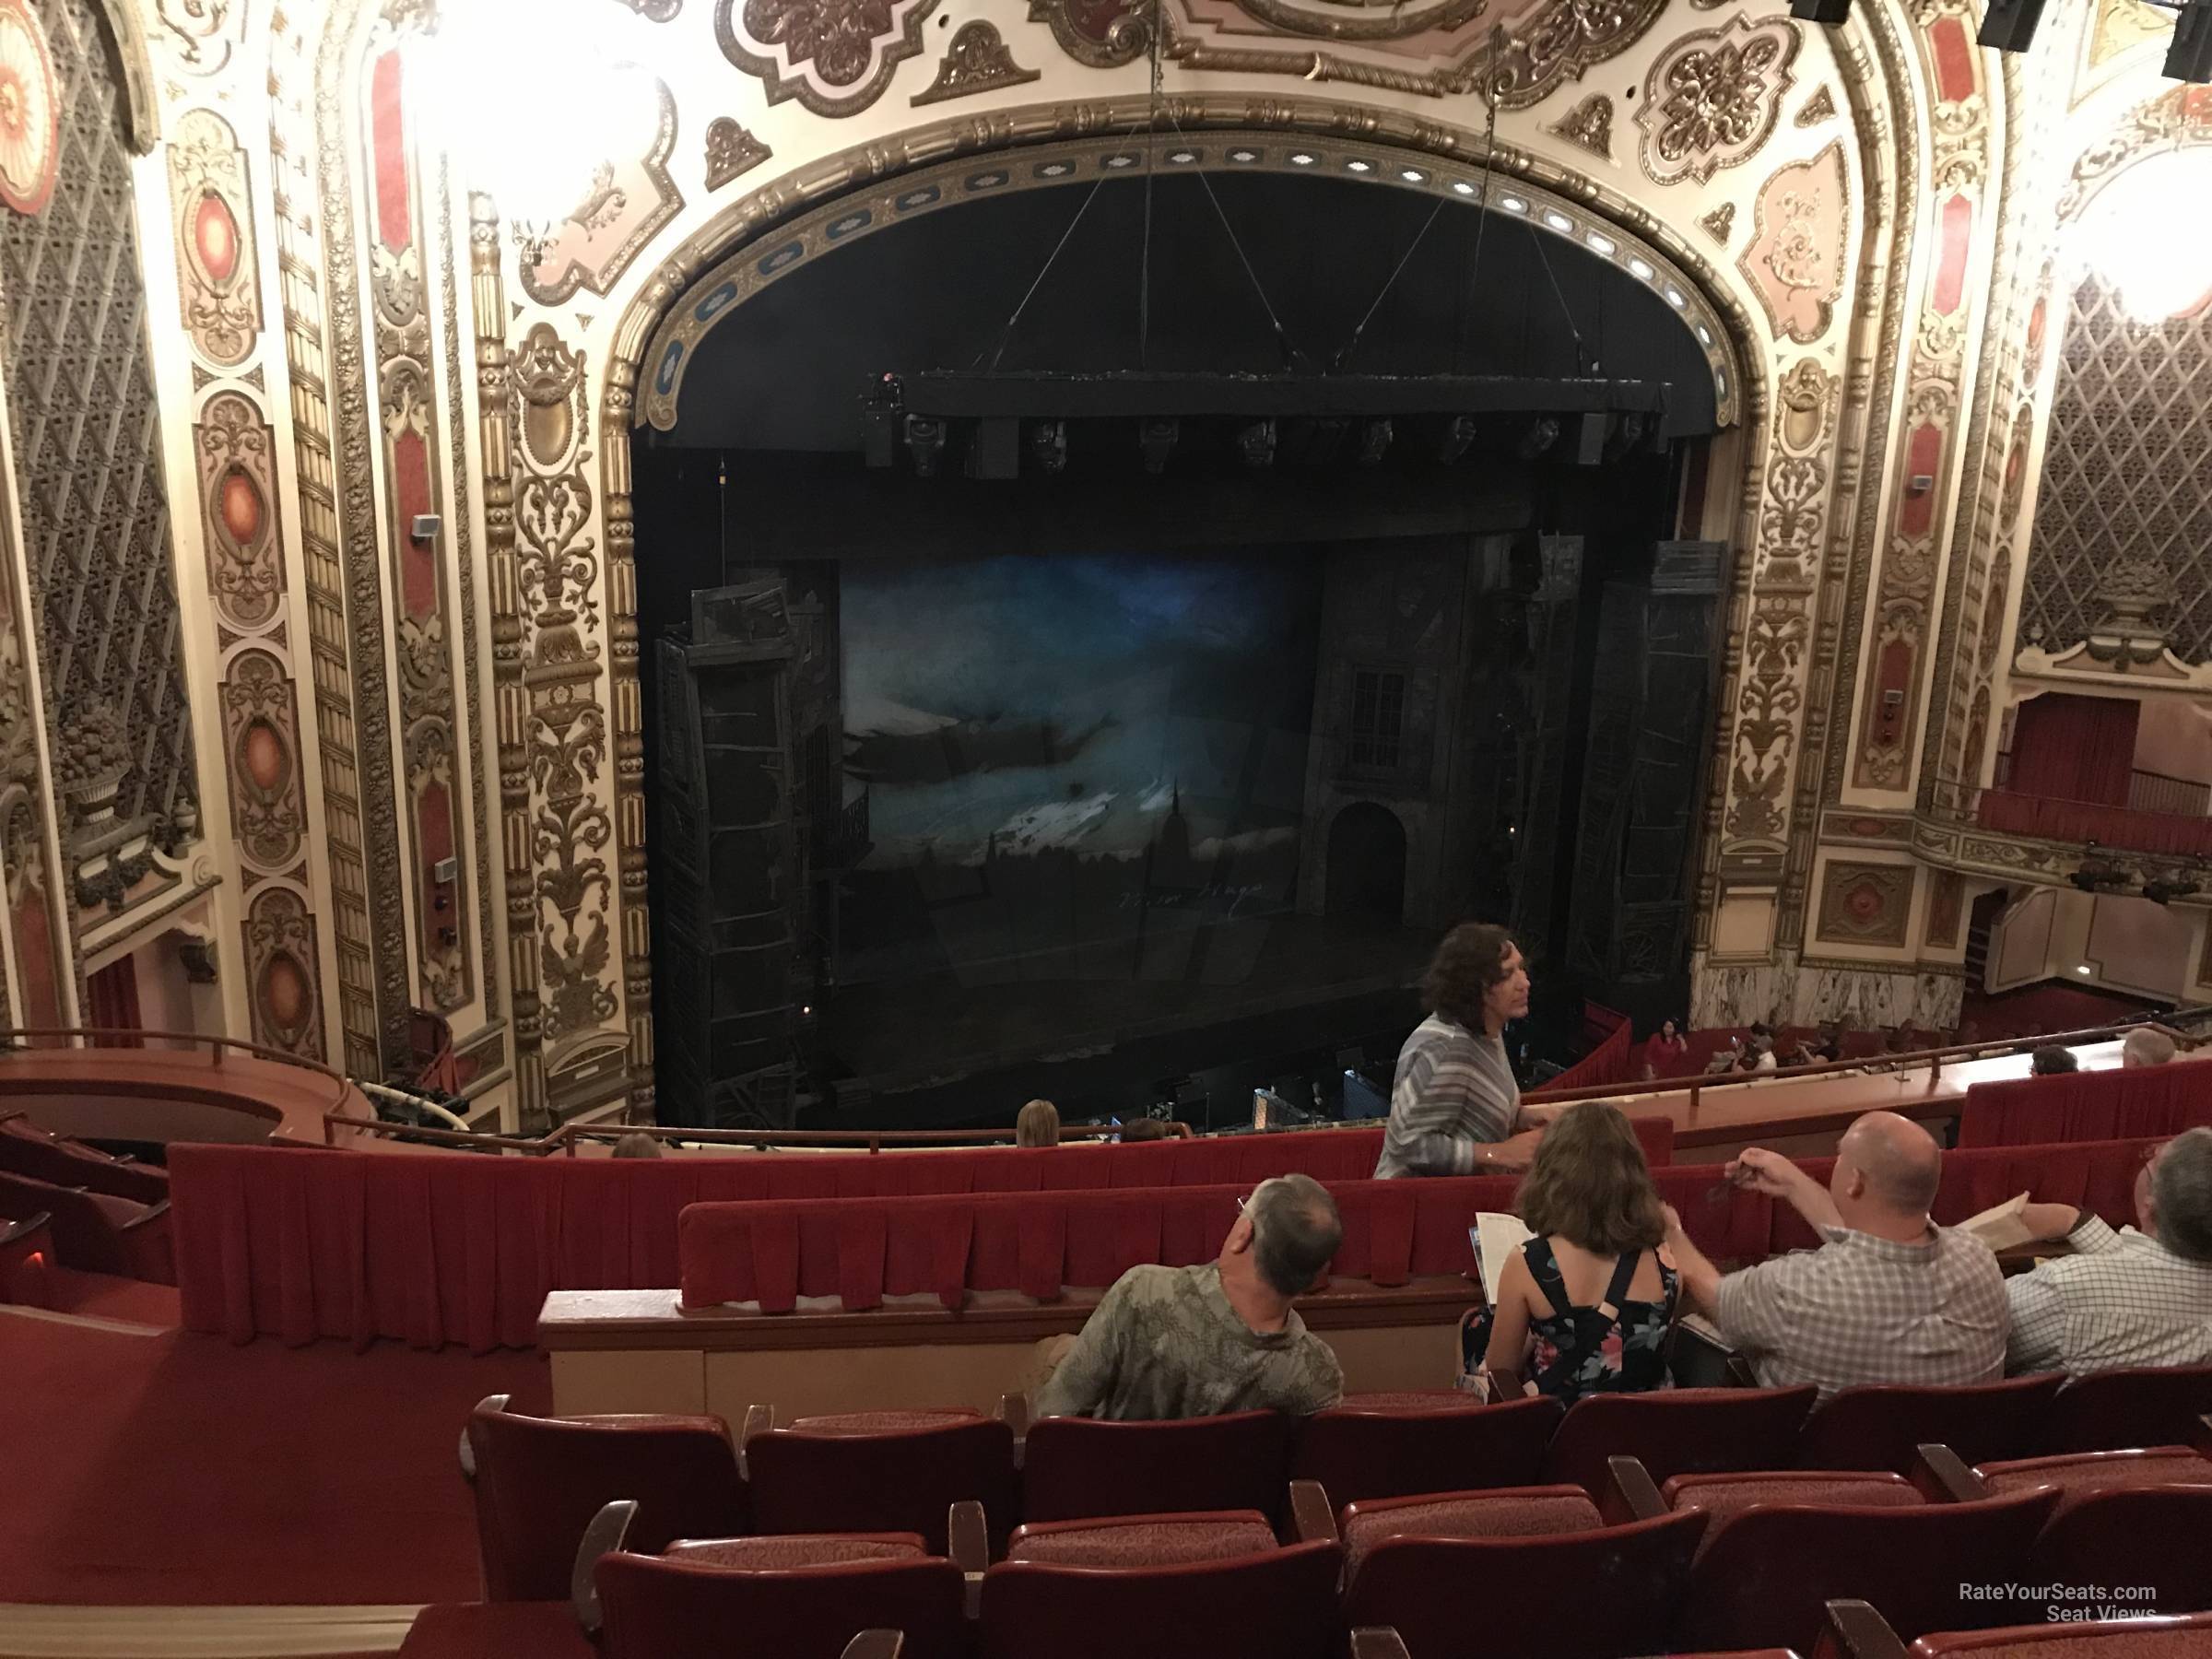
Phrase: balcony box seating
[27,1149]
[96,1233]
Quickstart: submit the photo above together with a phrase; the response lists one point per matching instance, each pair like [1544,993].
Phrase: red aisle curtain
[2075,749]
[112,1002]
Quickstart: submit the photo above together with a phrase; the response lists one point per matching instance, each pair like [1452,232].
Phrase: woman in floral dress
[1585,1307]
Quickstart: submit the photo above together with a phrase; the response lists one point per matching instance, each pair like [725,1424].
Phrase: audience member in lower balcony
[2146,1047]
[1455,1107]
[1889,1297]
[637,1145]
[2051,1061]
[1585,1305]
[1037,1124]
[2126,1298]
[1191,1342]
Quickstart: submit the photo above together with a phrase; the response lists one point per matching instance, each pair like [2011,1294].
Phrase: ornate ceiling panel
[834,57]
[1712,99]
[629,198]
[1801,230]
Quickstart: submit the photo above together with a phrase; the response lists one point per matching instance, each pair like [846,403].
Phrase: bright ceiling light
[2146,235]
[533,115]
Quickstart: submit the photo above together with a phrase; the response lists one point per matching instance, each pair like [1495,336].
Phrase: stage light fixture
[1459,437]
[2189,58]
[1374,442]
[1155,437]
[2009,24]
[2174,884]
[1831,12]
[2095,873]
[1256,444]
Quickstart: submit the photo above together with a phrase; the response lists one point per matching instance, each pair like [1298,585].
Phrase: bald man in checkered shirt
[2140,1296]
[1888,1297]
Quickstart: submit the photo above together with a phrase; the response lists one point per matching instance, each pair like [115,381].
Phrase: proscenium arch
[792,246]
[776,205]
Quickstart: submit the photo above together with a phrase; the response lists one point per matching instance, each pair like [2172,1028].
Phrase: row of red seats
[433,1248]
[1737,1561]
[540,1479]
[2079,1106]
[1040,1243]
[78,1207]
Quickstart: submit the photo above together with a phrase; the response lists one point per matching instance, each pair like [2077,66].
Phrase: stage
[942,1049]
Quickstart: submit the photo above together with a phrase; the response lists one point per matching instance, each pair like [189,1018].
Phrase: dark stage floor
[942,1049]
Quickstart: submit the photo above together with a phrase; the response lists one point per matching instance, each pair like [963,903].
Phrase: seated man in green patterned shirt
[1190,1342]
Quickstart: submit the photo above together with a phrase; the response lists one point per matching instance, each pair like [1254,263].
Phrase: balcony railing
[2156,791]
[2175,835]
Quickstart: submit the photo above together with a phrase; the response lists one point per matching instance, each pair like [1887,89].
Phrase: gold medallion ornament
[29,112]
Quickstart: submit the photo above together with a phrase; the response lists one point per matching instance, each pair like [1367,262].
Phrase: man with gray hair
[2127,1298]
[1889,1297]
[2146,1045]
[1222,1337]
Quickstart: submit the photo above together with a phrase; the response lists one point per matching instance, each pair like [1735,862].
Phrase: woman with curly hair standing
[1454,1107]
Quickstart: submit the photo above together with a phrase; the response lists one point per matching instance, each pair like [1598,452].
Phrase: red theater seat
[1679,1432]
[1765,1575]
[1590,1591]
[658,1608]
[2147,1405]
[1390,1445]
[1878,1428]
[2151,1537]
[2077,1474]
[540,1481]
[1169,1540]
[2188,1638]
[1278,1604]
[1726,1496]
[1075,1468]
[867,1471]
[543,1630]
[27,1149]
[96,1233]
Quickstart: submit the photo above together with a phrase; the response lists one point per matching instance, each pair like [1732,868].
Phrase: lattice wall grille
[87,437]
[2127,474]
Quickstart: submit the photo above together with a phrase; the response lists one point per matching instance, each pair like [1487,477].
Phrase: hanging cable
[1489,156]
[1292,357]
[1144,265]
[1566,311]
[1006,334]
[1343,358]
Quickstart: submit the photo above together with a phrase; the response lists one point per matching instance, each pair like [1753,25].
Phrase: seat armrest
[27,1230]
[609,1532]
[875,1644]
[1697,1357]
[969,1535]
[759,1419]
[1312,1518]
[468,1450]
[154,1212]
[1630,1493]
[1378,1641]
[1940,1476]
[1855,1631]
[1014,1411]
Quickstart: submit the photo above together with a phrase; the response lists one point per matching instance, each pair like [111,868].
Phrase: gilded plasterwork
[732,151]
[2122,24]
[261,737]
[1864,903]
[218,278]
[1720,223]
[1712,99]
[1801,227]
[1589,126]
[977,61]
[625,203]
[1819,107]
[835,56]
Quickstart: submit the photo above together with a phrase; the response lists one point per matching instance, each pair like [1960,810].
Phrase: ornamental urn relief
[2132,588]
[89,766]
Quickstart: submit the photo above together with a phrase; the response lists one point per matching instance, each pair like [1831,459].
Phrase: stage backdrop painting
[1079,767]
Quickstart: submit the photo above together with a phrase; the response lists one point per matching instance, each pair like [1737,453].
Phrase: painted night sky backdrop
[1059,703]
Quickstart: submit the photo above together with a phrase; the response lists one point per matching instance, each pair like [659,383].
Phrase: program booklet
[1999,1227]
[1495,1237]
